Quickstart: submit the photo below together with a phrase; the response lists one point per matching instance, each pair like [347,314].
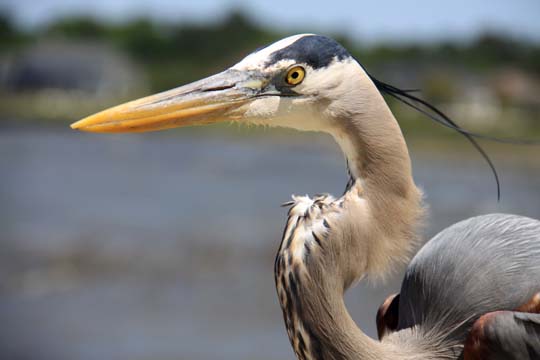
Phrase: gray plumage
[507,335]
[479,265]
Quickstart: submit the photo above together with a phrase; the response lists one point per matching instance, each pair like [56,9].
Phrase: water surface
[161,246]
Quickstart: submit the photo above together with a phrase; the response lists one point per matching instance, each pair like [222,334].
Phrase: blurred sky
[391,20]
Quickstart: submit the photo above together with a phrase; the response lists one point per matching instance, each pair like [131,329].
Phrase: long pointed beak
[216,98]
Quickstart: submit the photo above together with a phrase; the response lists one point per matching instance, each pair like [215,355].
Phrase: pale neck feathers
[330,243]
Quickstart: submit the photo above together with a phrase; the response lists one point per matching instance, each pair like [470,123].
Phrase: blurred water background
[161,246]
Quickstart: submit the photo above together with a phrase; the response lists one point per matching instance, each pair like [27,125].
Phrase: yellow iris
[295,75]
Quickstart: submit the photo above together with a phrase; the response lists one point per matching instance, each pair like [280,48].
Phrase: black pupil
[295,75]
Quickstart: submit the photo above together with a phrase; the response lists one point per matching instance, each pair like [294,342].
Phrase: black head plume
[432,112]
[439,117]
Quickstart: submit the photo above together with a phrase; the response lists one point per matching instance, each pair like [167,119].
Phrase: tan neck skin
[379,161]
[373,228]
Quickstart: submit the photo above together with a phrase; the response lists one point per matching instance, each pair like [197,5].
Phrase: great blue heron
[472,291]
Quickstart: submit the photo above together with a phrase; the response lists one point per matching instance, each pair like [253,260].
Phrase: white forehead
[257,59]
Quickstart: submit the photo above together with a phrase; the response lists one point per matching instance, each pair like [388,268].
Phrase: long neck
[318,324]
[329,244]
[380,166]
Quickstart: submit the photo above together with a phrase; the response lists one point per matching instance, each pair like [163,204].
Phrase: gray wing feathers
[504,335]
[476,266]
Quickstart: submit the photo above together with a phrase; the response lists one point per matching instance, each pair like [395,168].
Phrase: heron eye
[295,75]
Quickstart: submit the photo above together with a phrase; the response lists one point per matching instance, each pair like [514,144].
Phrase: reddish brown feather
[533,306]
[387,316]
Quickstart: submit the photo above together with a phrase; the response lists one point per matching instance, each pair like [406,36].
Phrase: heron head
[294,83]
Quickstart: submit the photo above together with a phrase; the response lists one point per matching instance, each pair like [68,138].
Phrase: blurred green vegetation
[176,53]
[171,54]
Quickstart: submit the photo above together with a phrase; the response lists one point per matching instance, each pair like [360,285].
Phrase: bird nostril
[218,88]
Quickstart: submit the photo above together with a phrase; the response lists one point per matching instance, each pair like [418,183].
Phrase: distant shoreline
[450,146]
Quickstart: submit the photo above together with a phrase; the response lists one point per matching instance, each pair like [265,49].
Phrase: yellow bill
[216,98]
